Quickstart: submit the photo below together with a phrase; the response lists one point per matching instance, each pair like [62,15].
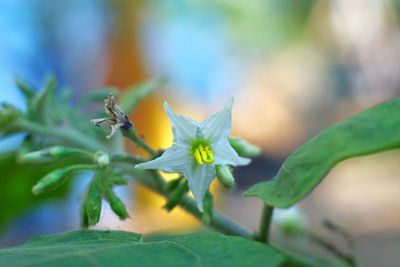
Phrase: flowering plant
[58,137]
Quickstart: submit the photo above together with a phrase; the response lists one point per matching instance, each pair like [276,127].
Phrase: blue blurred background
[293,66]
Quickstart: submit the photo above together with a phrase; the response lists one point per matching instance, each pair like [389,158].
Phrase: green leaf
[98,95]
[15,187]
[138,93]
[374,130]
[117,248]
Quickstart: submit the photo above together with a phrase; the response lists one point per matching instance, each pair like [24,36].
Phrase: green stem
[265,224]
[131,135]
[82,167]
[219,221]
[67,135]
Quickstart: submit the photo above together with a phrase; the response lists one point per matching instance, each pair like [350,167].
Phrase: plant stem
[131,135]
[67,135]
[219,221]
[265,224]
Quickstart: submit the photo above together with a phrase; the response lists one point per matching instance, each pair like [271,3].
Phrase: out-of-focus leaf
[138,93]
[98,95]
[16,183]
[117,248]
[374,130]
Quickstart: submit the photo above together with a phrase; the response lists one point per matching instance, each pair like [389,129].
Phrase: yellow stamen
[210,154]
[197,156]
[203,154]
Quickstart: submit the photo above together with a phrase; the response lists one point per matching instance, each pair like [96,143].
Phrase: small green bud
[224,174]
[177,194]
[115,202]
[47,155]
[51,181]
[91,208]
[52,154]
[55,178]
[102,159]
[291,222]
[244,148]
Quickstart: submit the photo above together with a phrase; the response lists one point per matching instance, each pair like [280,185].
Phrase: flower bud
[91,208]
[51,181]
[244,148]
[224,174]
[291,222]
[52,154]
[102,159]
[47,155]
[115,202]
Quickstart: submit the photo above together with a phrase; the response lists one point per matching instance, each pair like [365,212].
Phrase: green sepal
[116,204]
[91,207]
[177,194]
[171,185]
[208,205]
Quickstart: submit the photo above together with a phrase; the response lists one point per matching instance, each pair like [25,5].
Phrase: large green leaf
[117,248]
[374,130]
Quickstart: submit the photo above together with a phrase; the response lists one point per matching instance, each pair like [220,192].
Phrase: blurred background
[293,67]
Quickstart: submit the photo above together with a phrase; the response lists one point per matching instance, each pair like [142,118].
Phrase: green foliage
[374,130]
[138,93]
[115,202]
[117,248]
[179,189]
[15,187]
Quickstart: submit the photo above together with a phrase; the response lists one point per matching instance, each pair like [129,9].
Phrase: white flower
[197,149]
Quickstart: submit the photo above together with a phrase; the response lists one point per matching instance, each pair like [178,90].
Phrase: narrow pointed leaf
[133,96]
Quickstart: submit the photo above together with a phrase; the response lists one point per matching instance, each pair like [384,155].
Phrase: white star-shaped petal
[189,137]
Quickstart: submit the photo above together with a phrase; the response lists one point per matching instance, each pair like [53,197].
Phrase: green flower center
[202,153]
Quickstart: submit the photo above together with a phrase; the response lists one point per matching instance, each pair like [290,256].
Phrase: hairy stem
[265,224]
[219,221]
[131,135]
[67,135]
